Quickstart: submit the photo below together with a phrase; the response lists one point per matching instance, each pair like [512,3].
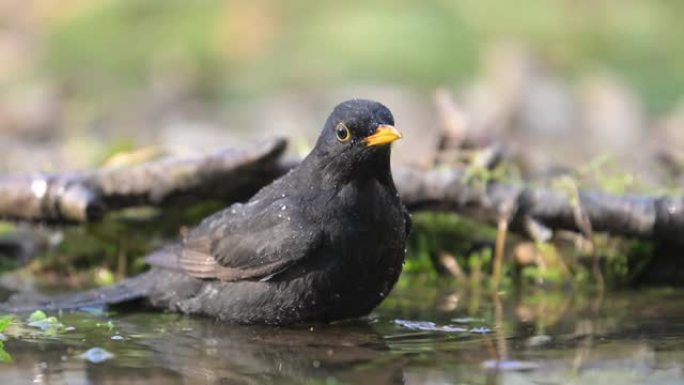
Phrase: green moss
[471,244]
[625,260]
[4,356]
[5,321]
[443,232]
[6,227]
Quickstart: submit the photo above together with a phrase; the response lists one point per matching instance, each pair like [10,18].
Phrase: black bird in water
[324,242]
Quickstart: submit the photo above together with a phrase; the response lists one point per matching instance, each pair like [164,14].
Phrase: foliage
[561,262]
[37,325]
[48,325]
[4,356]
[111,249]
[5,321]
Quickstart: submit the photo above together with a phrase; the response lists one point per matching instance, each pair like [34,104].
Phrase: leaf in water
[5,321]
[96,355]
[50,324]
[4,356]
[37,315]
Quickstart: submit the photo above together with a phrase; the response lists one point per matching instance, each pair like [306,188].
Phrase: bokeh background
[562,81]
[593,89]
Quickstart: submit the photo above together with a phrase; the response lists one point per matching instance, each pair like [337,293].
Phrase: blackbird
[324,242]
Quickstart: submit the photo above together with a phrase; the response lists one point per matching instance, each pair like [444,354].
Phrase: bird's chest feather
[366,222]
[363,250]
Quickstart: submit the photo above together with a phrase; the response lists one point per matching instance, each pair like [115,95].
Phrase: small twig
[501,231]
[506,210]
[502,345]
[122,261]
[449,264]
[586,329]
[536,230]
[585,227]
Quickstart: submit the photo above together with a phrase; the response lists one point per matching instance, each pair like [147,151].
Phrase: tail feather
[130,289]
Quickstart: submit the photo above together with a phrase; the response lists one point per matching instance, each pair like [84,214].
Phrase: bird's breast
[366,223]
[365,248]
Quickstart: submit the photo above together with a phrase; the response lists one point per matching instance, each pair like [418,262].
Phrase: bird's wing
[246,242]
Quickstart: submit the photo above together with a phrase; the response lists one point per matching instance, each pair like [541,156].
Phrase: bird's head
[356,139]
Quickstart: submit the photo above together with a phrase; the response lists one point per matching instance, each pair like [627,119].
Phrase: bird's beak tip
[384,134]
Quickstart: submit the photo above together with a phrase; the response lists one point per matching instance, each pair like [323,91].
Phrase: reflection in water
[212,352]
[550,338]
[181,349]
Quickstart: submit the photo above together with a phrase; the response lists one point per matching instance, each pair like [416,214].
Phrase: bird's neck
[378,168]
[335,173]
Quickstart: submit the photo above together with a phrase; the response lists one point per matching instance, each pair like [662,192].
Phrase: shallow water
[425,333]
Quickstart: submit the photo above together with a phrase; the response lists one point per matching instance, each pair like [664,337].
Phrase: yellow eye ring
[342,132]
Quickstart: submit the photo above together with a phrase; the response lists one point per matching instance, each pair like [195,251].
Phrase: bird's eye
[342,132]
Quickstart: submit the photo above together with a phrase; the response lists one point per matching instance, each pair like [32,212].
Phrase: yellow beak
[384,134]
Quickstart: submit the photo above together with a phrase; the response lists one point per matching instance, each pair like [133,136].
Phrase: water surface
[425,333]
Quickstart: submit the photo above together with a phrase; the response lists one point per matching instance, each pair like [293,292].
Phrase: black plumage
[324,242]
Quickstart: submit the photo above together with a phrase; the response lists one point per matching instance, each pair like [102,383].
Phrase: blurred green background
[592,87]
[101,50]
[87,71]
[237,48]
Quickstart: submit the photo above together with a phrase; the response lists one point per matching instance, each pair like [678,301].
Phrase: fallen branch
[627,215]
[86,196]
[236,174]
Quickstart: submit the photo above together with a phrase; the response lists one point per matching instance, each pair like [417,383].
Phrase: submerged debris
[96,355]
[429,326]
[433,327]
[38,319]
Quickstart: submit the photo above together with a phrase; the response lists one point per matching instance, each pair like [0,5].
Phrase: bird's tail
[127,290]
